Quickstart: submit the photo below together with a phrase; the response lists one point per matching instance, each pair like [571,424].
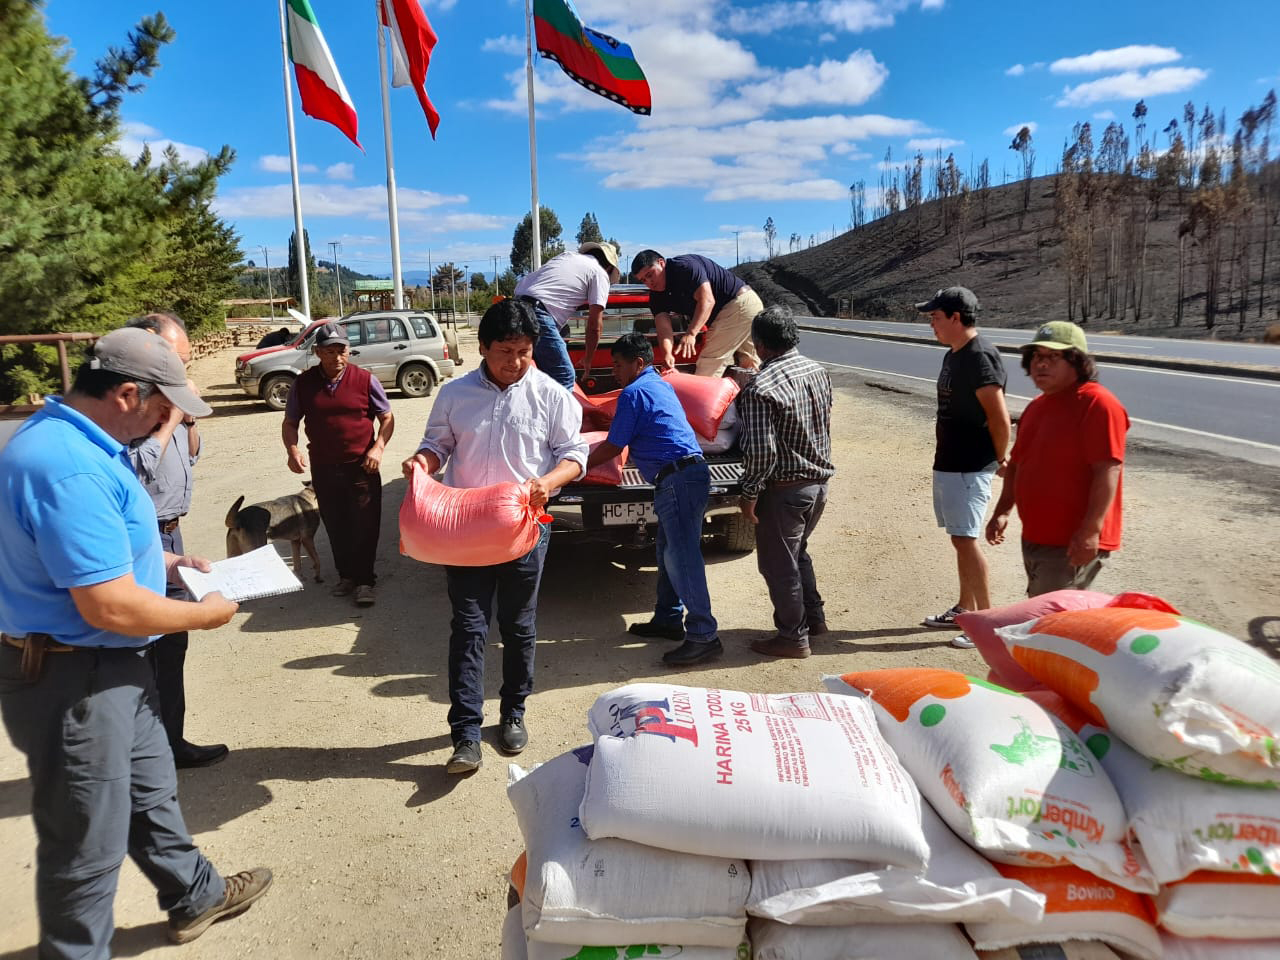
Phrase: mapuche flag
[597,61]
[323,94]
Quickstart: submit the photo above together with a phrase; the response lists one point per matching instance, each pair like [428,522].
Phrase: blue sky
[760,109]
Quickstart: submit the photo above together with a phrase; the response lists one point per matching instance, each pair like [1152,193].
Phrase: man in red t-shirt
[1064,474]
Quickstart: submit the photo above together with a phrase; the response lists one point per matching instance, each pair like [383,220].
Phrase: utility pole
[466,289]
[271,297]
[496,292]
[334,245]
[736,260]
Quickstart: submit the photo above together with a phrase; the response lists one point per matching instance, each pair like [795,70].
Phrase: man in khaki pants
[712,298]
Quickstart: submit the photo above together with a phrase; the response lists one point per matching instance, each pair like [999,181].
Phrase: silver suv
[408,349]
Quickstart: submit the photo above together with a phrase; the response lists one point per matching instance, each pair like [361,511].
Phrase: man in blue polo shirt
[82,597]
[651,422]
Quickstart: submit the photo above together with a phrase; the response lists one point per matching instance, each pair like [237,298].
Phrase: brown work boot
[778,646]
[344,588]
[242,889]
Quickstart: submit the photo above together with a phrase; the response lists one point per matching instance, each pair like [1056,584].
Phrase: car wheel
[415,380]
[275,391]
[739,534]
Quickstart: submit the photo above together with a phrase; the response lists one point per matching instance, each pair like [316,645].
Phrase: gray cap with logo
[144,357]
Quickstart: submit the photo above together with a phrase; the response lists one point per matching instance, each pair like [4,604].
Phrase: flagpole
[536,215]
[299,236]
[393,213]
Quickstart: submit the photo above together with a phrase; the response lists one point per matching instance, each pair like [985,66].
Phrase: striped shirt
[785,417]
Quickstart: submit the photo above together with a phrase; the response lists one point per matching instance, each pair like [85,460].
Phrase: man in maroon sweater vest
[339,402]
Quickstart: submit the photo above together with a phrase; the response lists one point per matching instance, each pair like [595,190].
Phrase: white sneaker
[963,642]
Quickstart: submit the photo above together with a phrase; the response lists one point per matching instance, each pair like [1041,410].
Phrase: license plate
[627,514]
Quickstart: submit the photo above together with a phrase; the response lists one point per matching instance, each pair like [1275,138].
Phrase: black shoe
[780,646]
[191,755]
[512,735]
[693,651]
[466,758]
[652,628]
[817,628]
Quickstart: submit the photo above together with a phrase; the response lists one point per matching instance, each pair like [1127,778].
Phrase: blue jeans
[103,787]
[472,592]
[549,351]
[680,501]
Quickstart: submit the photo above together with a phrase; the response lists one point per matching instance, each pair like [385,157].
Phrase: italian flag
[324,96]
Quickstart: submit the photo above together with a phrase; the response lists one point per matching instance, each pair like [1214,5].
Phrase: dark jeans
[549,350]
[787,516]
[350,502]
[103,785]
[170,656]
[680,502]
[472,595]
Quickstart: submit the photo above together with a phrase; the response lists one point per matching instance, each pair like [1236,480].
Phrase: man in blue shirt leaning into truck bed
[651,422]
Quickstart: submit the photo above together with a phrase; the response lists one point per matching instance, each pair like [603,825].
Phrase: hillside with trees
[1175,238]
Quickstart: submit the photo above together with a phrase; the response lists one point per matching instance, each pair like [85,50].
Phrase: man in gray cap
[339,402]
[972,431]
[82,596]
[557,289]
[1065,471]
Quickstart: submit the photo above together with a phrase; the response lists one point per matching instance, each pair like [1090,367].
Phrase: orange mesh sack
[704,399]
[1001,771]
[1078,906]
[475,527]
[609,473]
[1176,691]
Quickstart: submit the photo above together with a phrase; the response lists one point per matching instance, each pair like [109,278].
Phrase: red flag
[413,40]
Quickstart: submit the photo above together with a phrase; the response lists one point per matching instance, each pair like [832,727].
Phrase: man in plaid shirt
[785,416]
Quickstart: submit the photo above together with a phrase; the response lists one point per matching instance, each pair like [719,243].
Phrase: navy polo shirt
[687,273]
[650,421]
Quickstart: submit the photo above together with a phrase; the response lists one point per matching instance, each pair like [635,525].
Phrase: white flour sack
[1227,905]
[583,891]
[958,885]
[1078,906]
[1175,690]
[1072,950]
[763,776]
[1184,824]
[1004,774]
[866,941]
[1181,948]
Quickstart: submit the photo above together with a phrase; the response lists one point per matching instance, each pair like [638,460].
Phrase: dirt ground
[336,716]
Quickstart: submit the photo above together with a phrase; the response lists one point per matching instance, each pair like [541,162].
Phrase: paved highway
[1260,354]
[1230,415]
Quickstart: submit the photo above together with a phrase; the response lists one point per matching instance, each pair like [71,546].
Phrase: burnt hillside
[1017,264]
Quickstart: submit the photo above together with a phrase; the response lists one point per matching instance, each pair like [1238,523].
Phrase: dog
[295,518]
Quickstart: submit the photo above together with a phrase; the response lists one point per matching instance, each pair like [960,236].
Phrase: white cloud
[932,4]
[275,163]
[1016,70]
[1132,57]
[134,137]
[932,143]
[850,16]
[507,43]
[849,82]
[340,171]
[326,200]
[1132,85]
[1105,115]
[1013,130]
[829,37]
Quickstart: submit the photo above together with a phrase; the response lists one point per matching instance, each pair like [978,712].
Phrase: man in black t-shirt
[972,439]
[711,297]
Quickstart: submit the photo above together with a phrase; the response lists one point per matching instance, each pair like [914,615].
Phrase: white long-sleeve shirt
[483,434]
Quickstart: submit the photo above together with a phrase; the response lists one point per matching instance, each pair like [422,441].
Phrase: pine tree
[549,230]
[295,283]
[589,230]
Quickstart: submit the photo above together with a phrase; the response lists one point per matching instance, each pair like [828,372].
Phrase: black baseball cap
[951,300]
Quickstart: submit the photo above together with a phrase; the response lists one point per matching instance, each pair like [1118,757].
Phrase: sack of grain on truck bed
[583,891]
[472,527]
[704,399]
[1175,690]
[1004,774]
[767,777]
[957,886]
[726,434]
[1078,906]
[609,473]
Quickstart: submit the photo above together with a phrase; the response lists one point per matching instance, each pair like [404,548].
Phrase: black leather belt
[678,465]
[168,526]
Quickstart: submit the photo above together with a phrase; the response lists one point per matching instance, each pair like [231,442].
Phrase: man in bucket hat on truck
[1064,474]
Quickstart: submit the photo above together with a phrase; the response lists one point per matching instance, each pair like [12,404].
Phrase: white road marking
[1013,396]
